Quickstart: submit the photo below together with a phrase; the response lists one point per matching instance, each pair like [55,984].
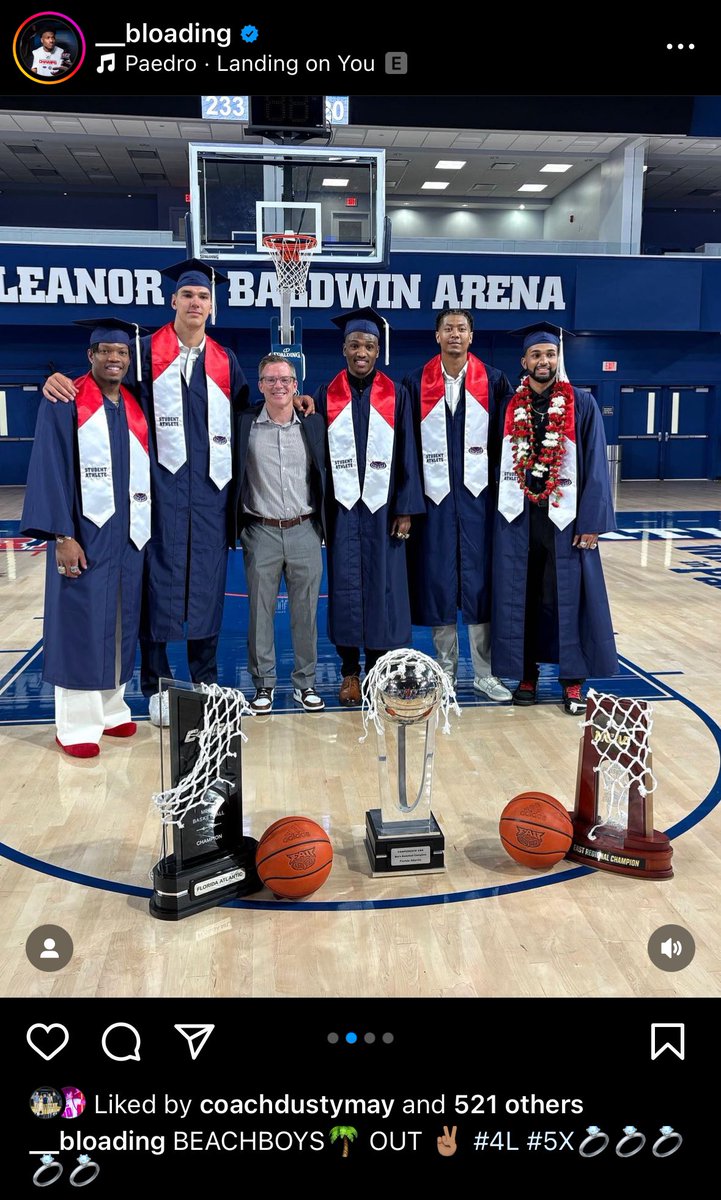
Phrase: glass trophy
[403,691]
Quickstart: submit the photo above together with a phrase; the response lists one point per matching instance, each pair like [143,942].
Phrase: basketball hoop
[291,254]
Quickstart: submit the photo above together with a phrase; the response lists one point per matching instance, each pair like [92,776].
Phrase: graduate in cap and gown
[554,499]
[88,494]
[457,402]
[191,389]
[374,488]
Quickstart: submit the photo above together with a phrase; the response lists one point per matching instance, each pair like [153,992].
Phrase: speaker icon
[671,949]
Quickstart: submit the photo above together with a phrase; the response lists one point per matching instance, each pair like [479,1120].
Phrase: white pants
[445,642]
[84,716]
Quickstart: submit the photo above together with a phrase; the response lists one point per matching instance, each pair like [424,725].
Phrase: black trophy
[206,859]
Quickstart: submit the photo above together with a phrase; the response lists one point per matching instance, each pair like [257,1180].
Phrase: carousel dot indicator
[351,1038]
[388,1038]
[333,1038]
[369,1038]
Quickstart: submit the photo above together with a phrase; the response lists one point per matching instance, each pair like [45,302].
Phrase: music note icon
[106,59]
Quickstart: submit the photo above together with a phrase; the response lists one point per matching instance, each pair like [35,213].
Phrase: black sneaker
[262,701]
[525,693]
[574,702]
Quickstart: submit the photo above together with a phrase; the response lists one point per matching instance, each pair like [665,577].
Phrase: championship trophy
[205,860]
[613,814]
[405,688]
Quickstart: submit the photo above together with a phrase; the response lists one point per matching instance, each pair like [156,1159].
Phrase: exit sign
[610,366]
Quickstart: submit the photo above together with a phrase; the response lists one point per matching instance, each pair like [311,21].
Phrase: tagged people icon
[49,47]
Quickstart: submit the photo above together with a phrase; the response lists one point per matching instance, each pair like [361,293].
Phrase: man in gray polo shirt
[280,484]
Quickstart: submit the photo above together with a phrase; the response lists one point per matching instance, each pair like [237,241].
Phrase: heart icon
[48,1039]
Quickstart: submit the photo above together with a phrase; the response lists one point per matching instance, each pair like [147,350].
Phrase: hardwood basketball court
[80,838]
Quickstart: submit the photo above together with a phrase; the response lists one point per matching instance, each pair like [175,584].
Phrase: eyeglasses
[285,381]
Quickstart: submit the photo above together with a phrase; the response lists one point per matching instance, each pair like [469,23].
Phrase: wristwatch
[63,537]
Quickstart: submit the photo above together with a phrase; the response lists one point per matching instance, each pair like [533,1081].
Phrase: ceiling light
[335,183]
[434,186]
[557,168]
[533,187]
[450,164]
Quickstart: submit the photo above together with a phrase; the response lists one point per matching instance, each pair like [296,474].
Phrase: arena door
[665,432]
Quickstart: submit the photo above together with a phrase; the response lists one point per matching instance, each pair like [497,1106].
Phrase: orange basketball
[536,830]
[294,857]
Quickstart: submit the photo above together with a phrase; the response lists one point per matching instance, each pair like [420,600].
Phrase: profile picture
[49,48]
[74,1102]
[47,1102]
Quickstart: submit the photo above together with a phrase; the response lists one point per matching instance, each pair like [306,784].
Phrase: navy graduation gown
[368,601]
[577,630]
[81,614]
[193,520]
[449,552]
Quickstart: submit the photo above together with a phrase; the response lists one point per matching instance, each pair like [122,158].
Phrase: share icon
[196,1036]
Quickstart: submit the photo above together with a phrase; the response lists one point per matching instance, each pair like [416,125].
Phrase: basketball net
[394,664]
[621,738]
[222,714]
[291,254]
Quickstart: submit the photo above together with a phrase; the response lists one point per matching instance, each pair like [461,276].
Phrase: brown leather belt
[284,523]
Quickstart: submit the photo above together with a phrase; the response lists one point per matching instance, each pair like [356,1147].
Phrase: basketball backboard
[238,194]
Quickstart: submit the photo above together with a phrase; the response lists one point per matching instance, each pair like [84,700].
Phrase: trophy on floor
[205,859]
[405,688]
[613,815]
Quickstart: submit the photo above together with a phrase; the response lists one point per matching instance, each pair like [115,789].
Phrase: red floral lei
[525,455]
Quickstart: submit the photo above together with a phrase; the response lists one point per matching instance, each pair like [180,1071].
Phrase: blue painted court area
[26,700]
[669,526]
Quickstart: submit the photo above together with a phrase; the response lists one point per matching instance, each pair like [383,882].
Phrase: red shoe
[125,730]
[80,750]
[574,702]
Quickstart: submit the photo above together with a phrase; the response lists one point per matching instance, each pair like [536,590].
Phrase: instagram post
[360,447]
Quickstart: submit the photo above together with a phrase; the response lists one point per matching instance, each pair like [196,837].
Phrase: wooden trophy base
[622,852]
[400,849]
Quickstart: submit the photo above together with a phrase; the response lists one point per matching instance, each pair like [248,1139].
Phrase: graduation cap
[113,329]
[365,320]
[544,333]
[194,273]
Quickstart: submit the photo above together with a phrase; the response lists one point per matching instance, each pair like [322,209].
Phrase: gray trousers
[445,642]
[268,554]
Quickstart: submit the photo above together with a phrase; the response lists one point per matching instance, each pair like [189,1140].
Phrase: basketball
[536,830]
[294,857]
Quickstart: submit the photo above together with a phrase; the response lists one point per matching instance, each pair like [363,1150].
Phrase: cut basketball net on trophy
[613,815]
[222,714]
[388,690]
[405,688]
[207,858]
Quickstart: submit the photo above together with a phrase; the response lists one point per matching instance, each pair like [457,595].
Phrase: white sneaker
[262,701]
[491,687]
[159,715]
[309,699]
